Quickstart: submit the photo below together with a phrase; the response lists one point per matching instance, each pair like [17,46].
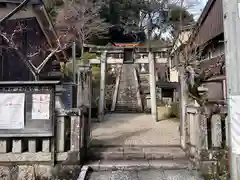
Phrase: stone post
[152,80]
[102,86]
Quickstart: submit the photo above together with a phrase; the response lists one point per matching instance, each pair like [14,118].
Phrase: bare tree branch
[12,42]
[81,20]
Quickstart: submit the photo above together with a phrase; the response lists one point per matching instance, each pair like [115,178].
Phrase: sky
[197,8]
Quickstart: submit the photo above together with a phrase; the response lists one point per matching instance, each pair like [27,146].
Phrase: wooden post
[102,86]
[152,81]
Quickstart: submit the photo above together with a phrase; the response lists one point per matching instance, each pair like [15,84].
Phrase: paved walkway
[145,175]
[139,130]
[135,129]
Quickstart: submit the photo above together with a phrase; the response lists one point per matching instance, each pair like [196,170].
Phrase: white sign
[40,106]
[234,105]
[12,110]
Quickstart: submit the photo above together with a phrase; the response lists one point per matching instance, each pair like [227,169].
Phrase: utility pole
[231,15]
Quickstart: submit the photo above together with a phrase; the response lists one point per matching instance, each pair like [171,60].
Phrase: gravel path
[135,129]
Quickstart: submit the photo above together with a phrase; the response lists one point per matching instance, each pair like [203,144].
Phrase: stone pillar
[183,103]
[102,86]
[194,128]
[216,130]
[152,80]
[58,101]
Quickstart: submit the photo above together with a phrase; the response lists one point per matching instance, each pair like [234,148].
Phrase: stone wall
[39,172]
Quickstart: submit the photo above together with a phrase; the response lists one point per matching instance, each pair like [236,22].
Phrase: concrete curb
[136,153]
[106,165]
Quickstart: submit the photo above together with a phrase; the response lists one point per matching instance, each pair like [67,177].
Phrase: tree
[123,15]
[80,20]
[161,17]
[175,13]
[129,18]
[53,7]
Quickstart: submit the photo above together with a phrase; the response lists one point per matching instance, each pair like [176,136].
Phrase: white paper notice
[12,110]
[234,105]
[40,106]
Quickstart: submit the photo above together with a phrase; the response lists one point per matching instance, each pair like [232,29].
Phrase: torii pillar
[152,80]
[101,106]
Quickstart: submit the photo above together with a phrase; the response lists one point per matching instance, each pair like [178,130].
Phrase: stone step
[136,153]
[127,110]
[110,165]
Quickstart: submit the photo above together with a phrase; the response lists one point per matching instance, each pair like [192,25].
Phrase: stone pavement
[141,170]
[145,175]
[135,147]
[135,129]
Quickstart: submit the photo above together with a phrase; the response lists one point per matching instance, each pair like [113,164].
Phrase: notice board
[12,110]
[27,109]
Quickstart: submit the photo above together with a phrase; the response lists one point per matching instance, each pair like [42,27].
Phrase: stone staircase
[127,92]
[136,153]
[157,157]
[139,163]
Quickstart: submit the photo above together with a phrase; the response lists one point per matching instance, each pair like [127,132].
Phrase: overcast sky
[197,7]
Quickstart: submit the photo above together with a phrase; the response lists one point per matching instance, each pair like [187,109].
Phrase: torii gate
[124,49]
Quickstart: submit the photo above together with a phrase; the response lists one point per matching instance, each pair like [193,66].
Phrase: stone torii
[151,59]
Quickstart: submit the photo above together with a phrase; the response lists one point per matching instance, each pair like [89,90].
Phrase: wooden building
[29,37]
[205,45]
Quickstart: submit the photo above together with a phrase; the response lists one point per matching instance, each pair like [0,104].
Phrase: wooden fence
[64,146]
[206,134]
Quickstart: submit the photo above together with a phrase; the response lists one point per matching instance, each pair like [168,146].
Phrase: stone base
[38,172]
[163,112]
[136,153]
[109,165]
